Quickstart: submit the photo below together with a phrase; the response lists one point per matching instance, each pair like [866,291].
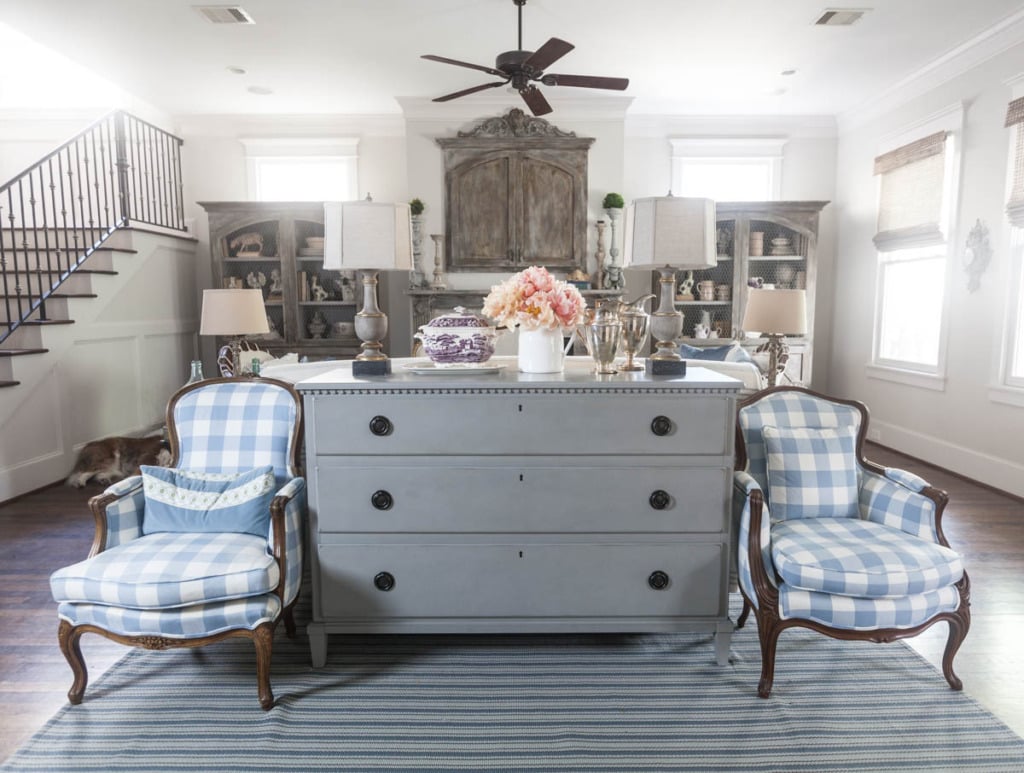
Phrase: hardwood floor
[50,528]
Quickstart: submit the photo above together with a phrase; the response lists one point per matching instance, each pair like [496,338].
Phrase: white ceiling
[356,56]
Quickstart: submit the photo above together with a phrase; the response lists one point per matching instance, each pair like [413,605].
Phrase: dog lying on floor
[114,458]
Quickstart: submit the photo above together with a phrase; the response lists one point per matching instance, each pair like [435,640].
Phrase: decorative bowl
[458,338]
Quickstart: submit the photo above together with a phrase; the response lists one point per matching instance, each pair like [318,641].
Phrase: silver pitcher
[601,334]
[636,324]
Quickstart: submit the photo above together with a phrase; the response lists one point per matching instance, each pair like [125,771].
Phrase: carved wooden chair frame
[262,636]
[769,623]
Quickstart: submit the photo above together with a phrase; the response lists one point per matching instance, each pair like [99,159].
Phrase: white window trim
[1005,389]
[752,150]
[327,148]
[950,119]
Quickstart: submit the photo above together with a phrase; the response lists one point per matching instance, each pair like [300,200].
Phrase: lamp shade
[233,313]
[776,311]
[671,231]
[367,235]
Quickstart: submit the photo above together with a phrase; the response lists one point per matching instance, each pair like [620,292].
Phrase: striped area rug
[654,702]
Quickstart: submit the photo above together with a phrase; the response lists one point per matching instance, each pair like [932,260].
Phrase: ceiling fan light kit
[520,68]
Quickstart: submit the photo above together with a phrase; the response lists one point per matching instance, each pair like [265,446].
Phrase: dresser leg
[723,640]
[317,644]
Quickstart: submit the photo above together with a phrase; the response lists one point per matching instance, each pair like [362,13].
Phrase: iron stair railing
[119,171]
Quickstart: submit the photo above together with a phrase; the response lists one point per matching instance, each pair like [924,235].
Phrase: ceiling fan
[520,67]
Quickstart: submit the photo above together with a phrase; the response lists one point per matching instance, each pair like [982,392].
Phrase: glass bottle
[196,373]
[255,369]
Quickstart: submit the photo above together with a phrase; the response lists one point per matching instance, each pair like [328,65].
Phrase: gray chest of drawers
[519,503]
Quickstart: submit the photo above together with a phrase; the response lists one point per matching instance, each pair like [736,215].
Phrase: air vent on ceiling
[840,17]
[225,14]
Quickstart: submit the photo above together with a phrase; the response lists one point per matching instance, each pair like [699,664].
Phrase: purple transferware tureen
[458,338]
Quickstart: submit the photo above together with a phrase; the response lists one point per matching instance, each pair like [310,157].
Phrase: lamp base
[371,367]
[665,367]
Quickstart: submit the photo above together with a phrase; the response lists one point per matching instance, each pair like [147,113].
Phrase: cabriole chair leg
[263,638]
[68,638]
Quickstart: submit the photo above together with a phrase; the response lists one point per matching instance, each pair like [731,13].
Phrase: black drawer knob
[381,426]
[382,500]
[661,425]
[658,580]
[384,581]
[660,499]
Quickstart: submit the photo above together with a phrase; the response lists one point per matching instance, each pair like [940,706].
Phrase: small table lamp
[234,314]
[774,313]
[369,236]
[670,233]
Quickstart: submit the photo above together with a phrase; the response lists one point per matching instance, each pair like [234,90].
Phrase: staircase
[60,222]
[97,297]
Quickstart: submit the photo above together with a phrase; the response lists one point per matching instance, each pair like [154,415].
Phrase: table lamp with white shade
[233,314]
[775,314]
[368,236]
[670,233]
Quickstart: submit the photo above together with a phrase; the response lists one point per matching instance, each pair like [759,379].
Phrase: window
[917,184]
[747,169]
[302,169]
[1012,374]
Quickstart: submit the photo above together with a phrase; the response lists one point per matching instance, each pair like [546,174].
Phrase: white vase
[541,351]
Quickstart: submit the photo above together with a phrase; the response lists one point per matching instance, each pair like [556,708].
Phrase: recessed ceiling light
[261,90]
[235,70]
[840,17]
[778,92]
[788,72]
[225,14]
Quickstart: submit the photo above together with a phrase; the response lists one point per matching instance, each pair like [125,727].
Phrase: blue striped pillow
[812,473]
[187,501]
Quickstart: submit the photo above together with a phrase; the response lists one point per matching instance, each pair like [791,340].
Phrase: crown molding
[316,125]
[972,53]
[733,126]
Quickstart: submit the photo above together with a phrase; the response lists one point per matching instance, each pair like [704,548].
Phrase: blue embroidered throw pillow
[812,473]
[728,353]
[186,501]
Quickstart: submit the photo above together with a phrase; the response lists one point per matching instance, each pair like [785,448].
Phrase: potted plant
[613,201]
[416,207]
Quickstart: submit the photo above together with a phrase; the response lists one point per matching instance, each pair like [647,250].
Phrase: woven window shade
[910,204]
[1015,206]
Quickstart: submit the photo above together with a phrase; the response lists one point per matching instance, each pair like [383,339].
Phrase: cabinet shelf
[327,303]
[254,259]
[776,258]
[703,303]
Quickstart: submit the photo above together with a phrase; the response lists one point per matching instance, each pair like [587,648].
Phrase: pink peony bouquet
[535,300]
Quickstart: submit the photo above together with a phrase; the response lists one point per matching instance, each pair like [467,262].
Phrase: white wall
[959,427]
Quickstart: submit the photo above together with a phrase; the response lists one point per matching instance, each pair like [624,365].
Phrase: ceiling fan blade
[548,54]
[586,81]
[464,92]
[457,63]
[535,100]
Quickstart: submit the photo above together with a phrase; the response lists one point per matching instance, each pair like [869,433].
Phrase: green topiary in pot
[613,201]
[416,207]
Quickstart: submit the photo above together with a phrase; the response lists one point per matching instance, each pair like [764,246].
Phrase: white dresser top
[579,372]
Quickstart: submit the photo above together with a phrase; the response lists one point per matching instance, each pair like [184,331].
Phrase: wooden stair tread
[9,383]
[61,248]
[48,322]
[20,352]
[54,295]
[106,271]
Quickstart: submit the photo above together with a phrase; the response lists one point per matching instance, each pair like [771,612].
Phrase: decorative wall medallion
[977,255]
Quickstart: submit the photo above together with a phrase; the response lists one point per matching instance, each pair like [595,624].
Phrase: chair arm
[287,519]
[118,514]
[902,500]
[751,512]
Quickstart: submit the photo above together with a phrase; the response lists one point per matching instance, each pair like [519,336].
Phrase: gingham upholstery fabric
[787,409]
[235,427]
[294,520]
[904,478]
[860,614]
[183,623]
[812,473]
[887,500]
[171,569]
[851,557]
[124,516]
[743,485]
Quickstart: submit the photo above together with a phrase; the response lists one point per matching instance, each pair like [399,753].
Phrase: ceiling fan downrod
[520,4]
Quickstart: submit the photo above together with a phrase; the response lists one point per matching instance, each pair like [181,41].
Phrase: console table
[512,502]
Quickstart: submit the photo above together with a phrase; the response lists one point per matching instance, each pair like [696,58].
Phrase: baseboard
[1001,474]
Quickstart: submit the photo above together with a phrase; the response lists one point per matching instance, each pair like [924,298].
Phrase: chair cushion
[188,501]
[850,557]
[167,570]
[812,473]
[858,614]
[191,622]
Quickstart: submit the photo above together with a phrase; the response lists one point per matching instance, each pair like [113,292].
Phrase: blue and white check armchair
[832,542]
[184,588]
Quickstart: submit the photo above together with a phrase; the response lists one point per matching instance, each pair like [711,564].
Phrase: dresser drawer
[520,580]
[583,422]
[519,494]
